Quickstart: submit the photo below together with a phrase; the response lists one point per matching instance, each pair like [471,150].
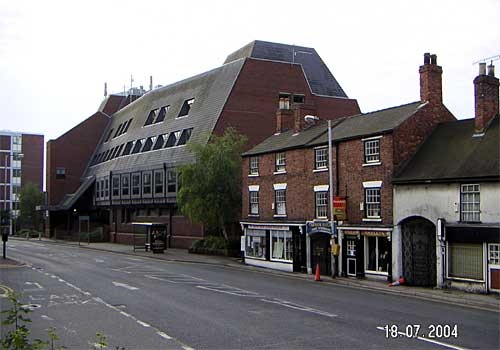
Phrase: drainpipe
[330,176]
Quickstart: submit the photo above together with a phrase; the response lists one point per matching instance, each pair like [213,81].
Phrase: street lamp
[6,158]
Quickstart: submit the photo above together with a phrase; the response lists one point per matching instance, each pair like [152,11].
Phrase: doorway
[321,254]
[494,266]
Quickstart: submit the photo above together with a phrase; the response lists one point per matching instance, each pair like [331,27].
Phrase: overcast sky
[56,55]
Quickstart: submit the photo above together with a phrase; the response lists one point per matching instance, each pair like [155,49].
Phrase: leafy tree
[210,188]
[29,198]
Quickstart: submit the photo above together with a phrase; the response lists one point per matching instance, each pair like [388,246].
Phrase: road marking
[98,260]
[45,317]
[144,324]
[187,347]
[124,285]
[6,291]
[298,307]
[164,335]
[429,340]
[232,291]
[36,284]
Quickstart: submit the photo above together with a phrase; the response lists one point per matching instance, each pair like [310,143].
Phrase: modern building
[131,176]
[447,201]
[21,162]
[286,214]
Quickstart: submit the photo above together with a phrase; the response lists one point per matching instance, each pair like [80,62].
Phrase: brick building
[286,188]
[446,201]
[131,176]
[21,162]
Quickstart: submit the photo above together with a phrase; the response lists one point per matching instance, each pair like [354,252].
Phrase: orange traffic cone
[317,276]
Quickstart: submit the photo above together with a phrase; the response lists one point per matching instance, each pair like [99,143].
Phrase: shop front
[319,239]
[279,247]
[366,252]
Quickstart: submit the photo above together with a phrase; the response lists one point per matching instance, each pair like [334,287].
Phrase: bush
[28,233]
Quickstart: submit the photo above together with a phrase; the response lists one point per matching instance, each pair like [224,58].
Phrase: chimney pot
[482,68]
[434,59]
[491,70]
[427,58]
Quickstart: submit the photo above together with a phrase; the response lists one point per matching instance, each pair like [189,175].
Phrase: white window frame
[287,248]
[280,206]
[253,166]
[470,210]
[280,163]
[377,255]
[253,193]
[251,241]
[318,154]
[371,151]
[370,204]
[321,202]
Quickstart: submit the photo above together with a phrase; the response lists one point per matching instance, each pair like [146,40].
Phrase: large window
[255,246]
[377,253]
[280,162]
[372,203]
[115,186]
[125,185]
[281,245]
[146,184]
[186,107]
[372,151]
[321,204]
[254,202]
[465,261]
[254,166]
[136,184]
[321,158]
[280,202]
[171,181]
[159,182]
[470,203]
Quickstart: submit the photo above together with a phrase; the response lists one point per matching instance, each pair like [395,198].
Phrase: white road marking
[124,285]
[430,341]
[164,335]
[45,317]
[144,324]
[187,347]
[232,291]
[98,260]
[298,307]
[36,284]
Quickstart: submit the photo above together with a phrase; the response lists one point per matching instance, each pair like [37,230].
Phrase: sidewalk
[489,302]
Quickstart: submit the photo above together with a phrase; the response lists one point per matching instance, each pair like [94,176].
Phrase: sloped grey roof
[210,91]
[345,128]
[452,153]
[70,199]
[320,79]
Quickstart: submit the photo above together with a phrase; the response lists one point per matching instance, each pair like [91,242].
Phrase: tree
[210,188]
[29,198]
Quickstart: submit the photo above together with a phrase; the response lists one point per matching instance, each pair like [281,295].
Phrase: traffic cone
[317,276]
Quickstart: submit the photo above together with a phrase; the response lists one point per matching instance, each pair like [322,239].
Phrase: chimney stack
[430,80]
[485,97]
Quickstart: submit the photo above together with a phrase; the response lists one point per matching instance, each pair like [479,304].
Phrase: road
[141,303]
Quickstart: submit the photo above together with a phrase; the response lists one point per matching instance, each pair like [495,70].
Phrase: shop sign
[270,227]
[351,232]
[375,233]
[339,208]
[318,227]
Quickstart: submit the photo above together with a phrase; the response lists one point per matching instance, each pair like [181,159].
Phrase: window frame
[147,175]
[138,186]
[280,202]
[371,205]
[287,245]
[158,174]
[318,165]
[253,202]
[280,162]
[474,192]
[323,206]
[125,186]
[253,164]
[371,150]
[115,186]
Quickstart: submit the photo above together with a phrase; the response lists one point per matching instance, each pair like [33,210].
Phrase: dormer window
[159,142]
[185,136]
[186,107]
[284,101]
[151,117]
[137,146]
[161,114]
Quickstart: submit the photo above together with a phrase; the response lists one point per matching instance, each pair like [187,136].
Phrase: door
[299,251]
[494,267]
[351,256]
[320,254]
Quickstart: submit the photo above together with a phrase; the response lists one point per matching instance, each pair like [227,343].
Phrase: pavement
[489,302]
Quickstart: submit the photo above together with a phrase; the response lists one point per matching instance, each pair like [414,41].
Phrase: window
[321,204]
[109,135]
[146,184]
[281,245]
[172,139]
[321,158]
[372,151]
[97,189]
[465,261]
[186,107]
[118,153]
[280,200]
[254,166]
[136,184]
[127,124]
[115,186]
[125,185]
[171,181]
[118,131]
[17,142]
[372,203]
[351,247]
[128,148]
[162,114]
[60,173]
[185,136]
[151,117]
[284,101]
[137,146]
[106,187]
[254,202]
[255,246]
[377,253]
[280,162]
[158,182]
[470,203]
[149,144]
[298,98]
[160,140]
[102,189]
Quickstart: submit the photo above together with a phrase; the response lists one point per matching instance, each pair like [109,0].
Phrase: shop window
[125,185]
[184,137]
[377,254]
[254,166]
[186,107]
[372,150]
[158,182]
[136,184]
[115,186]
[284,101]
[171,181]
[281,245]
[465,261]
[372,203]
[255,244]
[160,140]
[146,184]
[280,200]
[321,158]
[321,204]
[280,162]
[60,173]
[470,203]
[254,202]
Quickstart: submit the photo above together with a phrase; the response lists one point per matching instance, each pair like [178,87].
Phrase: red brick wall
[72,151]
[32,161]
[252,104]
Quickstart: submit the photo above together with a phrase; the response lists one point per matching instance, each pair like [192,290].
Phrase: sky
[56,55]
